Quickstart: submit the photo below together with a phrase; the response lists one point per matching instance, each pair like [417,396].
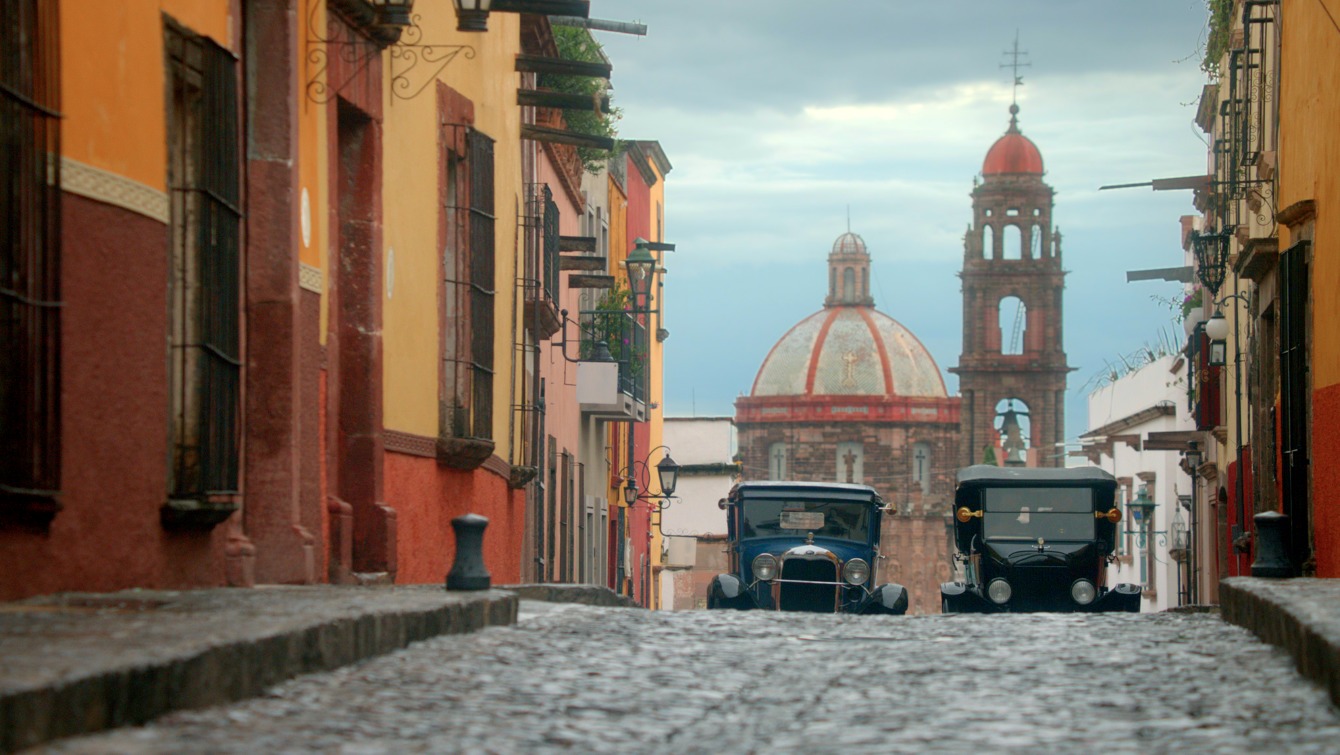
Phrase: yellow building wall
[411,206]
[1310,163]
[656,389]
[618,220]
[113,79]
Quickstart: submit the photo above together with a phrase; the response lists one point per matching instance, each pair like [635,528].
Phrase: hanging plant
[1191,303]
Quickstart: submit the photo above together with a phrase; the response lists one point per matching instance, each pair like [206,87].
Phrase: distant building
[694,526]
[850,395]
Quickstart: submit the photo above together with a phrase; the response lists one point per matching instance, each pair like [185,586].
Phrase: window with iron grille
[29,261]
[1294,395]
[469,268]
[204,299]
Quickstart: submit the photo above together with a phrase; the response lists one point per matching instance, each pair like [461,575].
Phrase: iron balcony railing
[627,342]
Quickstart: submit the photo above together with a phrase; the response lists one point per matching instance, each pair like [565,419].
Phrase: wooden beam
[578,8]
[590,281]
[545,64]
[562,100]
[559,136]
[576,243]
[585,264]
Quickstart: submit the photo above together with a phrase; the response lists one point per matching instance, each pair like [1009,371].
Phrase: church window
[988,241]
[1037,243]
[848,284]
[1012,212]
[850,463]
[921,467]
[1013,321]
[1013,238]
[777,453]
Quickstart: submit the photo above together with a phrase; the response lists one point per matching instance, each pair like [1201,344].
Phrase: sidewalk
[81,662]
[1300,615]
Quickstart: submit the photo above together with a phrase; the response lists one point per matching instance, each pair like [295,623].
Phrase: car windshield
[792,517]
[1026,514]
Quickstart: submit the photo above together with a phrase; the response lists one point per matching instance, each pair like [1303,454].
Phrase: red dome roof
[1013,152]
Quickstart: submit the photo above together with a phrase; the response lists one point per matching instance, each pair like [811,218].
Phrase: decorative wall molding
[311,278]
[409,443]
[108,187]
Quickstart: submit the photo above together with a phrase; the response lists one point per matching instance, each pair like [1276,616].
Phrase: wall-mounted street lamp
[667,474]
[1211,250]
[394,13]
[641,268]
[1216,329]
[472,15]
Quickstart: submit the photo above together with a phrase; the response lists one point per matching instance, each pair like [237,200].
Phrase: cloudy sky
[778,115]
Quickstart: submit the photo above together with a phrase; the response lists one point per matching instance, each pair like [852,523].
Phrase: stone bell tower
[1012,372]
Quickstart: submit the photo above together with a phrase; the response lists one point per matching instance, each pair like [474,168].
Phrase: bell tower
[1012,372]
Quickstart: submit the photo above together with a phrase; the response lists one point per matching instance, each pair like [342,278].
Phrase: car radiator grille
[802,597]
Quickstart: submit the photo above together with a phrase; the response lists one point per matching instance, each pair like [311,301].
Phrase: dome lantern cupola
[1013,153]
[849,273]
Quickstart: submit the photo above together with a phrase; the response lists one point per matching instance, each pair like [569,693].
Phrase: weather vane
[1016,65]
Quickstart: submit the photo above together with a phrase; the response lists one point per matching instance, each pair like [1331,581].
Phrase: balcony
[615,390]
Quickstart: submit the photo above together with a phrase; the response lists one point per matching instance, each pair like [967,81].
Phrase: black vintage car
[1036,540]
[804,546]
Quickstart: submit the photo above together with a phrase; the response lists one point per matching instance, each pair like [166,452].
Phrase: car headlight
[856,571]
[999,591]
[765,567]
[1083,592]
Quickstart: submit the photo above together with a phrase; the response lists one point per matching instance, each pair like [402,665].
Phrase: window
[29,260]
[921,467]
[1013,242]
[850,463]
[988,241]
[204,298]
[1012,319]
[777,461]
[468,266]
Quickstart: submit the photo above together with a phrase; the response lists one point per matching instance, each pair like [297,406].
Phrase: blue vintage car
[1036,540]
[804,546]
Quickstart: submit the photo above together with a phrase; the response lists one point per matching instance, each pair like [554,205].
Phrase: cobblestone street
[617,680]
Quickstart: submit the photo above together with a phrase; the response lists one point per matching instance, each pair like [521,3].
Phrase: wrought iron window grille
[414,63]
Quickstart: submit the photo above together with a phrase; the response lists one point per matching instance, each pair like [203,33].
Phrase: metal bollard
[1271,558]
[469,572]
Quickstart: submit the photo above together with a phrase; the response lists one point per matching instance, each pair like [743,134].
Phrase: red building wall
[114,423]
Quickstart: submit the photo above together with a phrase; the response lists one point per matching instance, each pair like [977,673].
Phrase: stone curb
[237,643]
[587,595]
[1300,615]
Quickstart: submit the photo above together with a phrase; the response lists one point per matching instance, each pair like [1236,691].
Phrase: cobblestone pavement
[617,680]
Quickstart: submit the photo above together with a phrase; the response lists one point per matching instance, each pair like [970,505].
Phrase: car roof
[988,474]
[795,487]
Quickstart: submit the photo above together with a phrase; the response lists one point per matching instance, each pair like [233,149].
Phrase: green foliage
[610,323]
[575,43]
[1220,32]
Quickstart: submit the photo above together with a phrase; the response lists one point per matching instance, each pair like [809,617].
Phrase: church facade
[850,395]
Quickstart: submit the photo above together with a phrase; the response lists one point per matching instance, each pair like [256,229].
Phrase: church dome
[849,243]
[849,351]
[1013,152]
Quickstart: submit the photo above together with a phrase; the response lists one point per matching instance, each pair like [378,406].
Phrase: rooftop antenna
[848,218]
[1016,65]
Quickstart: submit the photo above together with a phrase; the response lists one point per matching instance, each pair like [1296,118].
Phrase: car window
[797,518]
[1026,514]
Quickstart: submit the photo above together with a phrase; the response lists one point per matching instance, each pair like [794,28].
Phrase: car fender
[727,591]
[889,599]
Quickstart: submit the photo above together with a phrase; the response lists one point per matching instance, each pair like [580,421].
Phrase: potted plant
[1193,313]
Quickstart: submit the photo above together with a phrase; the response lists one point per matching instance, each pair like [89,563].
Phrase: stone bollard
[469,572]
[1271,558]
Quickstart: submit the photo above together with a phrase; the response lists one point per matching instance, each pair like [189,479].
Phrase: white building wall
[1146,561]
[705,449]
